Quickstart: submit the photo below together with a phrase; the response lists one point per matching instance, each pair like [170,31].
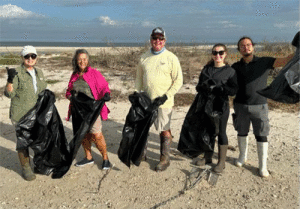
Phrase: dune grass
[192,60]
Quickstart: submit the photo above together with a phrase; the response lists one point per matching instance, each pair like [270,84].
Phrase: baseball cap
[28,50]
[158,30]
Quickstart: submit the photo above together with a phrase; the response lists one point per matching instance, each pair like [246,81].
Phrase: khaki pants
[163,120]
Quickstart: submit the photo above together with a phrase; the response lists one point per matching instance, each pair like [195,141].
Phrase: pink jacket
[98,86]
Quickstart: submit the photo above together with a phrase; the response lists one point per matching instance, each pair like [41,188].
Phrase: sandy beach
[141,187]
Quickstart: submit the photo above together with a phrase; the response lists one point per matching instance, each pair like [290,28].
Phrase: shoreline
[94,50]
[107,49]
[53,50]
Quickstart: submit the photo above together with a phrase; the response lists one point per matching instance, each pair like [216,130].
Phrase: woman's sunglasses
[218,52]
[33,56]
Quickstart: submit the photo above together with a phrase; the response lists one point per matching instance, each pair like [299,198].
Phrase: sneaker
[84,162]
[106,165]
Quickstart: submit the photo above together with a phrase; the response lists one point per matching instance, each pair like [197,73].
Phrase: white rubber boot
[243,147]
[262,151]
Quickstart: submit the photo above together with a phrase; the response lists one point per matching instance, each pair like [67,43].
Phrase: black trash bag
[139,119]
[42,130]
[293,77]
[85,112]
[280,89]
[201,124]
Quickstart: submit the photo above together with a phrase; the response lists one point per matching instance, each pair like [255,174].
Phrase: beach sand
[141,187]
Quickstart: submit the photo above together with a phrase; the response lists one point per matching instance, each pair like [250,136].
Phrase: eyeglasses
[158,37]
[218,52]
[33,56]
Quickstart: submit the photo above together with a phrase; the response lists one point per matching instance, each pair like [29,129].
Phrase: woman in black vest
[223,82]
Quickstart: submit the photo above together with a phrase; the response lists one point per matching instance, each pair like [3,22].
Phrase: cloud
[148,24]
[105,20]
[12,11]
[228,24]
[287,24]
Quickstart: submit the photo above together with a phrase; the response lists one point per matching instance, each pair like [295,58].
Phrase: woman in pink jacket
[90,81]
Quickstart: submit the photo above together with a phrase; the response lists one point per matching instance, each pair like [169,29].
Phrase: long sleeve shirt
[223,76]
[158,75]
[97,84]
[24,96]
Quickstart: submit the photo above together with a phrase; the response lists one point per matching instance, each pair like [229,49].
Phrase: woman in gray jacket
[23,86]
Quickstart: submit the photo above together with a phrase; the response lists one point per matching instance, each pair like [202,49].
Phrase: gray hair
[74,60]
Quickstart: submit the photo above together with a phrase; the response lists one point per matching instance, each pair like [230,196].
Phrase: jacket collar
[25,71]
[255,58]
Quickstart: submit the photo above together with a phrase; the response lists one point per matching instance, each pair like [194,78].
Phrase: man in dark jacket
[250,107]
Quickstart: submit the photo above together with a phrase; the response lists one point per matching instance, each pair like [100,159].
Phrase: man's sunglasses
[158,37]
[33,56]
[218,52]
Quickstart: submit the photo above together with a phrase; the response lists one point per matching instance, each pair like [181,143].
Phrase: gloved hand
[11,73]
[218,90]
[73,94]
[160,100]
[295,41]
[206,86]
[106,97]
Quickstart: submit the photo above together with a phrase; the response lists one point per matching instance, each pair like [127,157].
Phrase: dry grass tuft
[3,73]
[116,96]
[184,99]
[192,59]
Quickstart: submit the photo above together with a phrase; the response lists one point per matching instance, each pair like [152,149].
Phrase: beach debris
[192,179]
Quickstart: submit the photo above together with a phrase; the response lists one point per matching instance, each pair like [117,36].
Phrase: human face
[29,62]
[246,47]
[82,61]
[220,56]
[156,42]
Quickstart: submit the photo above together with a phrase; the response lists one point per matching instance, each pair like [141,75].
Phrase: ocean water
[90,44]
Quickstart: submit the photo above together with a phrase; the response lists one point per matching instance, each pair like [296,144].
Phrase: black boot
[206,160]
[165,144]
[27,173]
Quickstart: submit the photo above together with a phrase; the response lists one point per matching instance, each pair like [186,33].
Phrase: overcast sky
[201,21]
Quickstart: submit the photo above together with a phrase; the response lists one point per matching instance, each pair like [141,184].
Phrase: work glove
[73,94]
[295,41]
[160,100]
[106,97]
[11,73]
[206,86]
[218,90]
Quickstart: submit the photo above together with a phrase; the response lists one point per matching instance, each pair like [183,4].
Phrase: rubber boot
[207,159]
[27,173]
[222,158]
[100,143]
[87,146]
[243,147]
[262,151]
[165,144]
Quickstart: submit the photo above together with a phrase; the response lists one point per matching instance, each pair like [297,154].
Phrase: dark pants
[222,137]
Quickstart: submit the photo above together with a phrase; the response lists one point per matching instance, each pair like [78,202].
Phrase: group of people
[159,74]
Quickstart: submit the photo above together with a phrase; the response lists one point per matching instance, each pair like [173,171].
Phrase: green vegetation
[124,62]
[49,81]
[10,59]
